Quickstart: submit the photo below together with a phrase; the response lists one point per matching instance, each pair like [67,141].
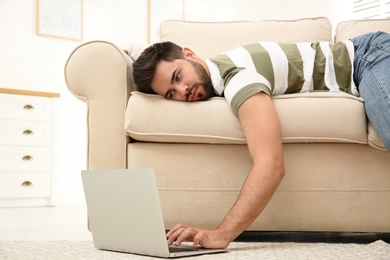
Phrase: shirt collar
[216,79]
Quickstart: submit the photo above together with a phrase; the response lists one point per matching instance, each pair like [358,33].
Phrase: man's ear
[190,54]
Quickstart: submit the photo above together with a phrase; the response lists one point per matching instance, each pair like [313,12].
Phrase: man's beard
[204,80]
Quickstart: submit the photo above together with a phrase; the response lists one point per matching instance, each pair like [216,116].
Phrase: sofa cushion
[349,29]
[373,138]
[311,117]
[208,39]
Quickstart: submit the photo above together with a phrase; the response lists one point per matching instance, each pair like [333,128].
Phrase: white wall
[32,62]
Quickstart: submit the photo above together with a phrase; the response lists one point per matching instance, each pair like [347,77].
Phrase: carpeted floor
[13,250]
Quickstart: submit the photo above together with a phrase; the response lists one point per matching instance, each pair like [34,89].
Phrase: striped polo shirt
[282,68]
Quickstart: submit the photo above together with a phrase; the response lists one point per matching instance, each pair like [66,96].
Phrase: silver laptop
[125,214]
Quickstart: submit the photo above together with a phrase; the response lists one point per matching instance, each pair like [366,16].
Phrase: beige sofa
[337,170]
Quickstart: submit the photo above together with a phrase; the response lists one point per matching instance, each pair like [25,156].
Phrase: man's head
[168,70]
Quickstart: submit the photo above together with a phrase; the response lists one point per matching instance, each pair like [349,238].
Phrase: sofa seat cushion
[373,138]
[310,117]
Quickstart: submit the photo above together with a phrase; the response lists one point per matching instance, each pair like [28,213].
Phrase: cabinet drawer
[25,185]
[25,133]
[25,158]
[25,107]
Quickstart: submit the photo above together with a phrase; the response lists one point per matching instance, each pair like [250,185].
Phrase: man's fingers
[183,233]
[179,234]
[197,241]
[174,235]
[173,230]
[205,238]
[186,234]
[170,235]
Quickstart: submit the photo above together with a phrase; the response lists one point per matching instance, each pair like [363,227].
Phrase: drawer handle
[27,184]
[28,132]
[28,107]
[27,158]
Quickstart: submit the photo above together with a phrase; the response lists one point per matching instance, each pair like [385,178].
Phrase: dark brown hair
[145,66]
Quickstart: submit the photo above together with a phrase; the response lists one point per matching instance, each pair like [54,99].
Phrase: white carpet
[13,250]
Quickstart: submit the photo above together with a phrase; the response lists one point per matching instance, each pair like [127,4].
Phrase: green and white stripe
[281,68]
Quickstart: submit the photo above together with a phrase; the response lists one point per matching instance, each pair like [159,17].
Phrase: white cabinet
[28,144]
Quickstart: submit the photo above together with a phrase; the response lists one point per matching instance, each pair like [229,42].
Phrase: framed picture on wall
[60,19]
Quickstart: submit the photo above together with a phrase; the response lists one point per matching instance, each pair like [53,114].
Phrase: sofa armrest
[100,74]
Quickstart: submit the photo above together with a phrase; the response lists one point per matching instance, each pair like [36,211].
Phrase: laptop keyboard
[180,249]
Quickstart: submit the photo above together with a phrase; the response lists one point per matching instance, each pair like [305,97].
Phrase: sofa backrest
[208,39]
[349,29]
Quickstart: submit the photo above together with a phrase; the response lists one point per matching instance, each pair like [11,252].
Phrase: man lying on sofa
[247,77]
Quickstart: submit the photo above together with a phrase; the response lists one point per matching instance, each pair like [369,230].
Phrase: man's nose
[183,90]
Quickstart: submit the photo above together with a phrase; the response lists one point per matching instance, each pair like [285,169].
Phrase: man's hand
[200,237]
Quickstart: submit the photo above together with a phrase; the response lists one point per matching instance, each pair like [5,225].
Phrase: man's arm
[261,126]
